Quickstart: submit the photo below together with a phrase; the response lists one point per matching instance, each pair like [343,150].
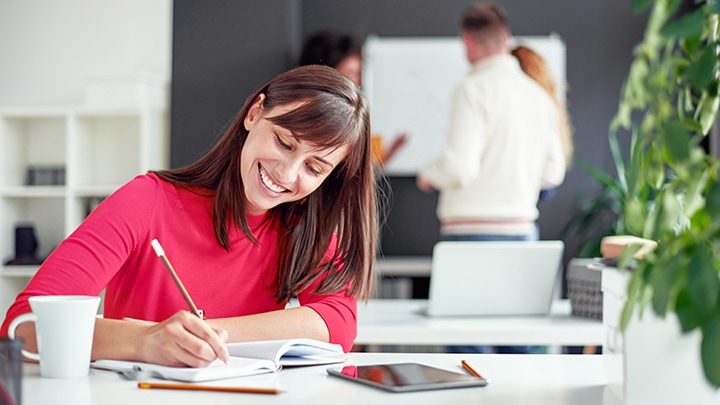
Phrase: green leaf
[712,197]
[702,281]
[702,71]
[641,5]
[634,215]
[618,158]
[661,12]
[693,199]
[677,142]
[707,111]
[633,298]
[605,179]
[689,25]
[627,255]
[710,351]
[663,283]
[687,314]
[664,217]
[690,45]
[635,174]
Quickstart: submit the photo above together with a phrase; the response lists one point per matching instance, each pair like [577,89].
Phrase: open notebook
[493,278]
[246,358]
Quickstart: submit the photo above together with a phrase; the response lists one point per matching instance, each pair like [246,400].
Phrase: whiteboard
[410,82]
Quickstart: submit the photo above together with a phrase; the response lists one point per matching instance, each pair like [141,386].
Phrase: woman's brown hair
[333,112]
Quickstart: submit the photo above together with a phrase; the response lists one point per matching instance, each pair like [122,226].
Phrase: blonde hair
[537,69]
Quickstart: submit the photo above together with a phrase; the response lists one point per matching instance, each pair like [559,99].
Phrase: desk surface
[401,322]
[514,379]
[404,266]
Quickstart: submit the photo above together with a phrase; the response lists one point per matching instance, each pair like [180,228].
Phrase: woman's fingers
[209,337]
[185,340]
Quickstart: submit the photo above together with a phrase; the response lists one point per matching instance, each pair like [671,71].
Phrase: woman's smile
[268,182]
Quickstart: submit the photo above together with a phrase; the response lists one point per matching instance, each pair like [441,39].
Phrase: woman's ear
[254,112]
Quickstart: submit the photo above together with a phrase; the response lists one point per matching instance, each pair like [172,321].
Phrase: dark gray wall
[223,50]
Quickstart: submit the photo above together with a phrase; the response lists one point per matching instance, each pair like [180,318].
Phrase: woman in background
[537,69]
[344,53]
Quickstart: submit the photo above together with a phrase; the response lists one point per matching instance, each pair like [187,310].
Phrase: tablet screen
[406,377]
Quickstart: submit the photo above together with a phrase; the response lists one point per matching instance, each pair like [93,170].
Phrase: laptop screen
[493,278]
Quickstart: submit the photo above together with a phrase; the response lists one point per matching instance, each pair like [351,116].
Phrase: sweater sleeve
[554,166]
[339,311]
[459,162]
[88,259]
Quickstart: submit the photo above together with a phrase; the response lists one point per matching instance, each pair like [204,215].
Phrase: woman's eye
[282,143]
[314,170]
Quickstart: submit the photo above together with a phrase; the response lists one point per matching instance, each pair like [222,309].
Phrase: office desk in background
[514,379]
[403,276]
[403,266]
[401,322]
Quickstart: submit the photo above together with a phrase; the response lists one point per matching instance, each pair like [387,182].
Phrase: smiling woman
[284,205]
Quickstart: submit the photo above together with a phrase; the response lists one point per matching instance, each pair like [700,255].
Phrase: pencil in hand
[161,254]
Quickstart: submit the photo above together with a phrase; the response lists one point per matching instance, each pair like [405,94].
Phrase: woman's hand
[424,185]
[184,340]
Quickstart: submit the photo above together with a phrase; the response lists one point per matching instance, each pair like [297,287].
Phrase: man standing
[502,145]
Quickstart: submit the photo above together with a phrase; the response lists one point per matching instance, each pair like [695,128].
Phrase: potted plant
[668,190]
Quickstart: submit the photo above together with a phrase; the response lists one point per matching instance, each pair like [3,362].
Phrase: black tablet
[405,377]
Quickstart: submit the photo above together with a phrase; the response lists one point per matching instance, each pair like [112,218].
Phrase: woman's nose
[287,171]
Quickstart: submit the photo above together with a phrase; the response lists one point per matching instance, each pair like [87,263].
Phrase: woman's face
[351,67]
[276,166]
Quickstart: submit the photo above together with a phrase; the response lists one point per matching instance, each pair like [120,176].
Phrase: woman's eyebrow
[321,160]
[299,140]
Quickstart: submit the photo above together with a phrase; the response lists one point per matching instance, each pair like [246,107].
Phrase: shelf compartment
[30,141]
[45,215]
[106,150]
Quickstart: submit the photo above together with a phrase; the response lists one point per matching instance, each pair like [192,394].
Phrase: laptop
[493,278]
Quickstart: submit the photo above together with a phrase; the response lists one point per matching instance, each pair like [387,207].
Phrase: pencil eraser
[158,249]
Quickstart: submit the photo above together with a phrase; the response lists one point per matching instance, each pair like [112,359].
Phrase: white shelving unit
[100,148]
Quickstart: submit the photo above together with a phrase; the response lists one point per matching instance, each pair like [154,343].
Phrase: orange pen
[471,370]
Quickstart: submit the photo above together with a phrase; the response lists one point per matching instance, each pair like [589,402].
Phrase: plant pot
[652,362]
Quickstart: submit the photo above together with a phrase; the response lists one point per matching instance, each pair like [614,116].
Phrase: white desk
[401,322]
[403,266]
[514,379]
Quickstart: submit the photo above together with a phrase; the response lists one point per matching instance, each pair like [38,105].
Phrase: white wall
[49,48]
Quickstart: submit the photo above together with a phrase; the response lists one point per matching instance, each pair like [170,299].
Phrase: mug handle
[28,317]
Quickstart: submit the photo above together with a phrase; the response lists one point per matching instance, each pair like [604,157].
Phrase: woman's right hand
[184,340]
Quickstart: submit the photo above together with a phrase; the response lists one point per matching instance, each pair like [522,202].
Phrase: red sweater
[111,249]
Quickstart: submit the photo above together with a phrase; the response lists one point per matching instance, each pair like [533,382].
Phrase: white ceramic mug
[64,326]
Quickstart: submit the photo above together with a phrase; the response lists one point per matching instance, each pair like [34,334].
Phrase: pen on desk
[471,370]
[161,254]
[207,388]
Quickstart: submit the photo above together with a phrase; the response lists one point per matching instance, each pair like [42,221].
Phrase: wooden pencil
[190,387]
